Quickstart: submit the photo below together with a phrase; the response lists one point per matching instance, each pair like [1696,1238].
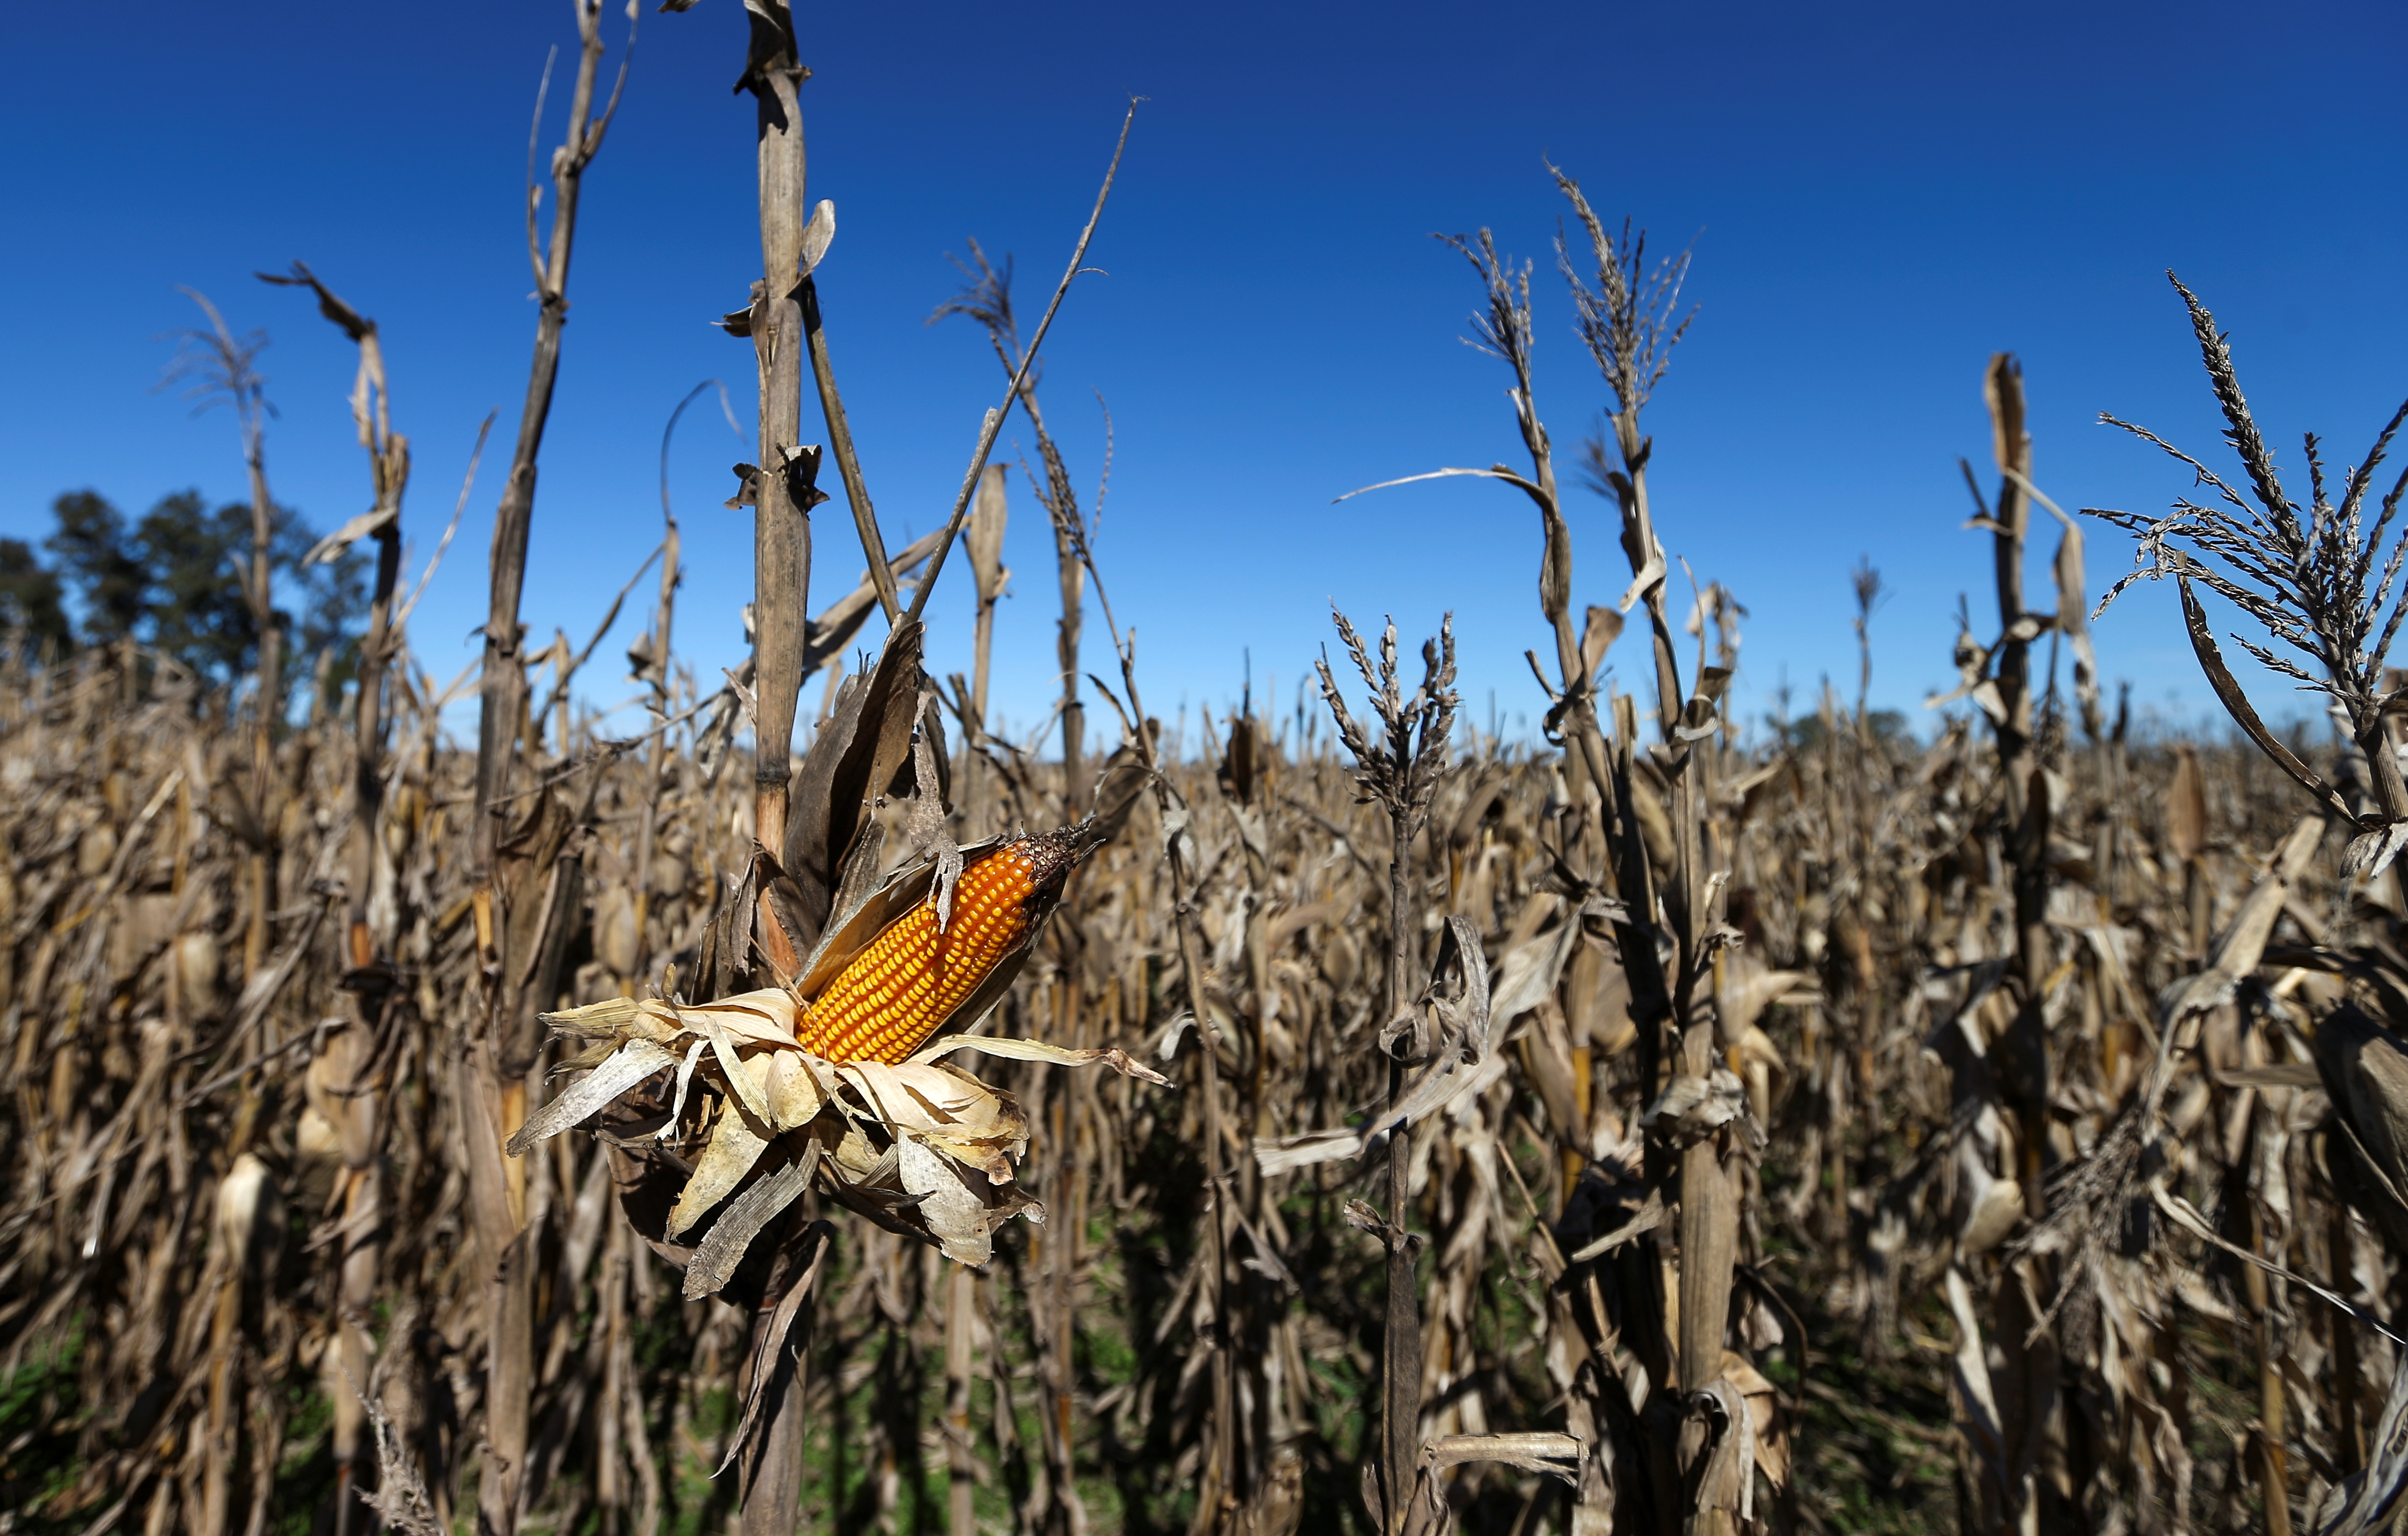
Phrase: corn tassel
[912,977]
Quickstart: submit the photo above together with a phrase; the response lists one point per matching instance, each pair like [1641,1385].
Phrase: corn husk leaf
[945,1107]
[619,1018]
[1036,1050]
[953,1213]
[736,1145]
[684,1080]
[765,1017]
[1746,989]
[1763,1401]
[1529,972]
[723,1247]
[795,1089]
[734,1070]
[853,758]
[771,1357]
[631,1064]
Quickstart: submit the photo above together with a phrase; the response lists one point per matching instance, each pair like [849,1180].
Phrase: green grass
[40,1418]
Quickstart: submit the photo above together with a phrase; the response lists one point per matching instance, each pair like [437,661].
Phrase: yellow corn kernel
[896,993]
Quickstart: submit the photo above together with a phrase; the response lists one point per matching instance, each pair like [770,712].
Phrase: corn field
[817,1110]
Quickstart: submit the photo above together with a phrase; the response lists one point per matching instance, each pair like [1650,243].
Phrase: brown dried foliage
[1830,1129]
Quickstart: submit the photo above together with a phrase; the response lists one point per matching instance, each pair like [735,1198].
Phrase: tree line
[172,581]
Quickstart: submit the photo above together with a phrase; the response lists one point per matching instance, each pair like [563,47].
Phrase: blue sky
[1881,196]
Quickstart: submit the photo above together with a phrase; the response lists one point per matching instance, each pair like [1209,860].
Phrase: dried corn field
[191,1149]
[194,1143]
[817,1112]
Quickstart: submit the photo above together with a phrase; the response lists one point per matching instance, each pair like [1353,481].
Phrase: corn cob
[895,994]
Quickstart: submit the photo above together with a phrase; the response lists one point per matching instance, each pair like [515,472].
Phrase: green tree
[335,601]
[1890,729]
[174,582]
[31,597]
[100,565]
[192,559]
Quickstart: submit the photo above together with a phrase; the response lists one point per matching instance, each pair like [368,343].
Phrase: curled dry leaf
[1764,1411]
[1692,1108]
[1549,1454]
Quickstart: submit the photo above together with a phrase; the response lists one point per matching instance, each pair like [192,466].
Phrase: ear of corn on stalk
[916,974]
[844,1059]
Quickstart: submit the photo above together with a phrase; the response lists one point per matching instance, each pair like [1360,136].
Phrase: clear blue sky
[1886,194]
